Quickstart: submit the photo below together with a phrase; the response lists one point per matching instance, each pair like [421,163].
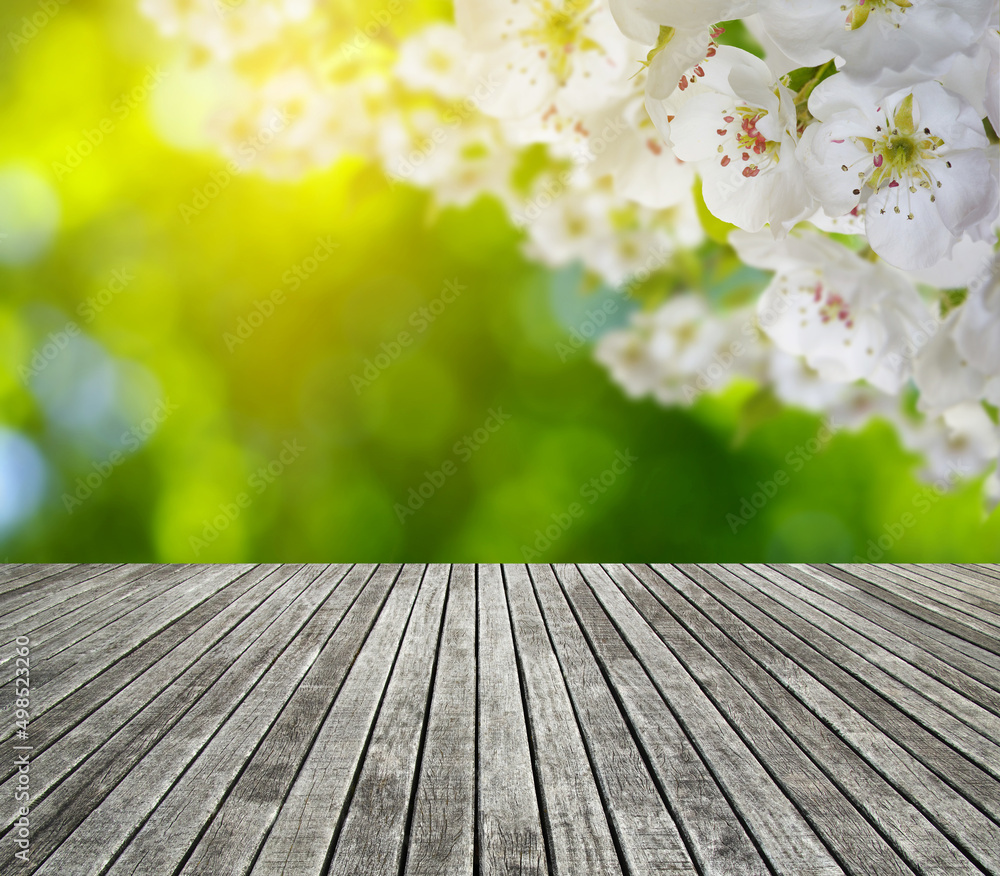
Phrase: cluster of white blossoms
[844,149]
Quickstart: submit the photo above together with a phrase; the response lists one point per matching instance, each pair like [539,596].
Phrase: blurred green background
[141,395]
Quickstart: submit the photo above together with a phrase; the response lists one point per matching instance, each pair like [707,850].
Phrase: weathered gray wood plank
[97,839]
[951,757]
[873,580]
[637,808]
[965,726]
[944,646]
[990,570]
[28,577]
[787,840]
[975,578]
[61,632]
[59,813]
[375,829]
[237,829]
[844,608]
[509,829]
[51,657]
[145,673]
[161,844]
[464,721]
[301,838]
[934,594]
[859,718]
[11,572]
[442,835]
[573,815]
[174,591]
[57,595]
[718,839]
[722,630]
[968,592]
[109,588]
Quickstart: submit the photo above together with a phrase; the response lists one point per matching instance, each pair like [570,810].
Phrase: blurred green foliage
[176,422]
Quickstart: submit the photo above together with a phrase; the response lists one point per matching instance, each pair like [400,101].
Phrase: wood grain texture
[871,580]
[963,725]
[718,838]
[83,651]
[779,829]
[575,820]
[160,844]
[638,809]
[931,640]
[841,827]
[968,591]
[28,576]
[235,832]
[442,832]
[509,827]
[303,833]
[922,592]
[60,594]
[65,735]
[747,655]
[908,647]
[317,720]
[867,723]
[377,817]
[125,796]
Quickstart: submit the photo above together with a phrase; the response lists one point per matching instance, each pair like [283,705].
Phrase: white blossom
[849,318]
[961,363]
[563,53]
[630,14]
[916,158]
[962,442]
[894,41]
[435,60]
[610,236]
[225,28]
[740,129]
[680,351]
[458,157]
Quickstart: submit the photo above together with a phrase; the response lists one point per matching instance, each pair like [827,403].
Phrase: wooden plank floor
[718,720]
